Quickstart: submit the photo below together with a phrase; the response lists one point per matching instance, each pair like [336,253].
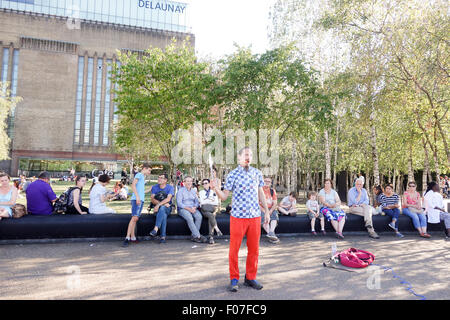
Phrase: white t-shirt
[432,200]
[123,192]
[286,202]
[212,198]
[96,206]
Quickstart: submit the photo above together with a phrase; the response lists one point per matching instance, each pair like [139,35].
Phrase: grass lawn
[123,207]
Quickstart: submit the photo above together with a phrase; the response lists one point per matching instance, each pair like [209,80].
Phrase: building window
[98,101]
[79,101]
[5,65]
[116,116]
[107,104]
[14,75]
[87,118]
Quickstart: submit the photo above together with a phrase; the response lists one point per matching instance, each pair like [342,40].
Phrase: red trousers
[238,229]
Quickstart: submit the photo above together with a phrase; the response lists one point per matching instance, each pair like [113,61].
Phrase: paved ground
[183,270]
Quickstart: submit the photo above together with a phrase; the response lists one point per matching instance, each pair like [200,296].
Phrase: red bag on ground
[355,258]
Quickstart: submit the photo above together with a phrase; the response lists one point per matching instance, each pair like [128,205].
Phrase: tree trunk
[435,158]
[400,184]
[376,171]
[327,156]
[294,167]
[410,165]
[288,178]
[426,169]
[336,150]
[308,174]
[394,178]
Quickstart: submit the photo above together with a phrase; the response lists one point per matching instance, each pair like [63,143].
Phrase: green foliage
[7,104]
[158,93]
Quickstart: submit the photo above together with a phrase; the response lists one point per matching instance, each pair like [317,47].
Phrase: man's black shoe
[253,283]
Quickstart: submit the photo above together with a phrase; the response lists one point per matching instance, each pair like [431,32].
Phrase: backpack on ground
[355,258]
[62,203]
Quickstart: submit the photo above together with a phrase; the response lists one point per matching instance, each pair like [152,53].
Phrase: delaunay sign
[163,6]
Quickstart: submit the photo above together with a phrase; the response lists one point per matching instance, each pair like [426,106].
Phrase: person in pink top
[412,207]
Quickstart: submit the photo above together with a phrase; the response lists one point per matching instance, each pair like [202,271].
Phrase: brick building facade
[61,73]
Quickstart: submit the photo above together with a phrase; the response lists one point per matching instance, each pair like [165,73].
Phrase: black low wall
[115,225]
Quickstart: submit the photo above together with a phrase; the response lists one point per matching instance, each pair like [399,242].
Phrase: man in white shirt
[434,207]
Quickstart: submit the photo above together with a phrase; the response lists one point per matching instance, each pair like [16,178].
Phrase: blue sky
[217,24]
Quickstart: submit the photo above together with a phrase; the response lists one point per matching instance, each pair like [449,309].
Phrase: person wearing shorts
[313,213]
[137,202]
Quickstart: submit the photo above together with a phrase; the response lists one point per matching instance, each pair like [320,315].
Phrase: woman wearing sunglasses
[208,203]
[412,207]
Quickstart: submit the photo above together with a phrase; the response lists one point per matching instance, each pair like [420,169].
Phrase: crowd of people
[193,204]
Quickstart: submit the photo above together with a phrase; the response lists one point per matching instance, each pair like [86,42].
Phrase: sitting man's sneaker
[234,285]
[372,233]
[399,235]
[272,236]
[253,283]
[162,240]
[198,240]
[153,233]
[125,243]
[392,226]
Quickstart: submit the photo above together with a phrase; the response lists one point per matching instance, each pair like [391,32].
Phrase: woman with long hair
[74,205]
[8,196]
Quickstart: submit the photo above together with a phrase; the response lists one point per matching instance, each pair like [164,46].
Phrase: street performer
[245,182]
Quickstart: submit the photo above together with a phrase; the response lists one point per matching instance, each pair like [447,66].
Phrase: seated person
[313,213]
[117,188]
[412,207]
[99,195]
[208,205]
[8,196]
[161,202]
[187,203]
[390,206]
[121,194]
[330,206]
[377,191]
[75,203]
[434,207]
[358,203]
[271,200]
[288,206]
[40,196]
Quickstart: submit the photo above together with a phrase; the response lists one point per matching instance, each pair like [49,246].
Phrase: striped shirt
[388,201]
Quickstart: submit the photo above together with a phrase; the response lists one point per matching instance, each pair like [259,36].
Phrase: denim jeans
[393,213]
[135,209]
[419,220]
[161,219]
[194,221]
